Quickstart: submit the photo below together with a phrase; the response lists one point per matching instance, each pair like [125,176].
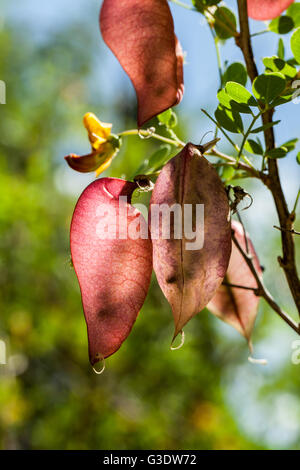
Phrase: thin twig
[292,230]
[261,289]
[147,133]
[244,230]
[237,286]
[240,165]
[293,213]
[222,130]
[183,5]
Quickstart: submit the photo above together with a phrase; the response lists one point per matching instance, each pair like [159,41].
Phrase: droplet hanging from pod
[112,257]
[190,262]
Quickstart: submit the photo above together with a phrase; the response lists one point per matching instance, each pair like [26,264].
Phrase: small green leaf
[165,117]
[236,72]
[298,158]
[240,94]
[230,120]
[254,147]
[281,100]
[268,86]
[279,152]
[228,173]
[240,107]
[225,23]
[290,144]
[224,99]
[159,158]
[295,44]
[264,127]
[275,64]
[201,5]
[294,12]
[280,49]
[281,25]
[173,120]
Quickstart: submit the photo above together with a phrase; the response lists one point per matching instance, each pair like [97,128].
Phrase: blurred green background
[205,395]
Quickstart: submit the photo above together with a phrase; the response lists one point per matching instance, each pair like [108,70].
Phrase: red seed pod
[238,307]
[141,35]
[113,265]
[189,272]
[267,9]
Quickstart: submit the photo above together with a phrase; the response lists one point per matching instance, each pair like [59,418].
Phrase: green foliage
[267,86]
[290,145]
[295,44]
[201,5]
[280,49]
[229,119]
[279,152]
[228,173]
[286,23]
[254,147]
[240,94]
[265,126]
[156,161]
[275,64]
[225,23]
[236,72]
[293,12]
[281,25]
[168,118]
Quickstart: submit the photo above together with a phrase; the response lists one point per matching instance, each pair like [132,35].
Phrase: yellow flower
[98,132]
[105,146]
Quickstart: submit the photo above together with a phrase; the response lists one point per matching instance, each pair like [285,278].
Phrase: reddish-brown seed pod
[238,307]
[112,264]
[189,274]
[141,35]
[267,9]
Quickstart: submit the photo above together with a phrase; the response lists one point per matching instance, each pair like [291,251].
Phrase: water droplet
[101,363]
[150,131]
[174,348]
[262,362]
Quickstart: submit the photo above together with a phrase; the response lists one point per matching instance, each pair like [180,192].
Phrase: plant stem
[216,42]
[247,134]
[259,32]
[221,129]
[182,4]
[245,232]
[213,18]
[147,134]
[292,230]
[296,202]
[237,286]
[272,181]
[232,162]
